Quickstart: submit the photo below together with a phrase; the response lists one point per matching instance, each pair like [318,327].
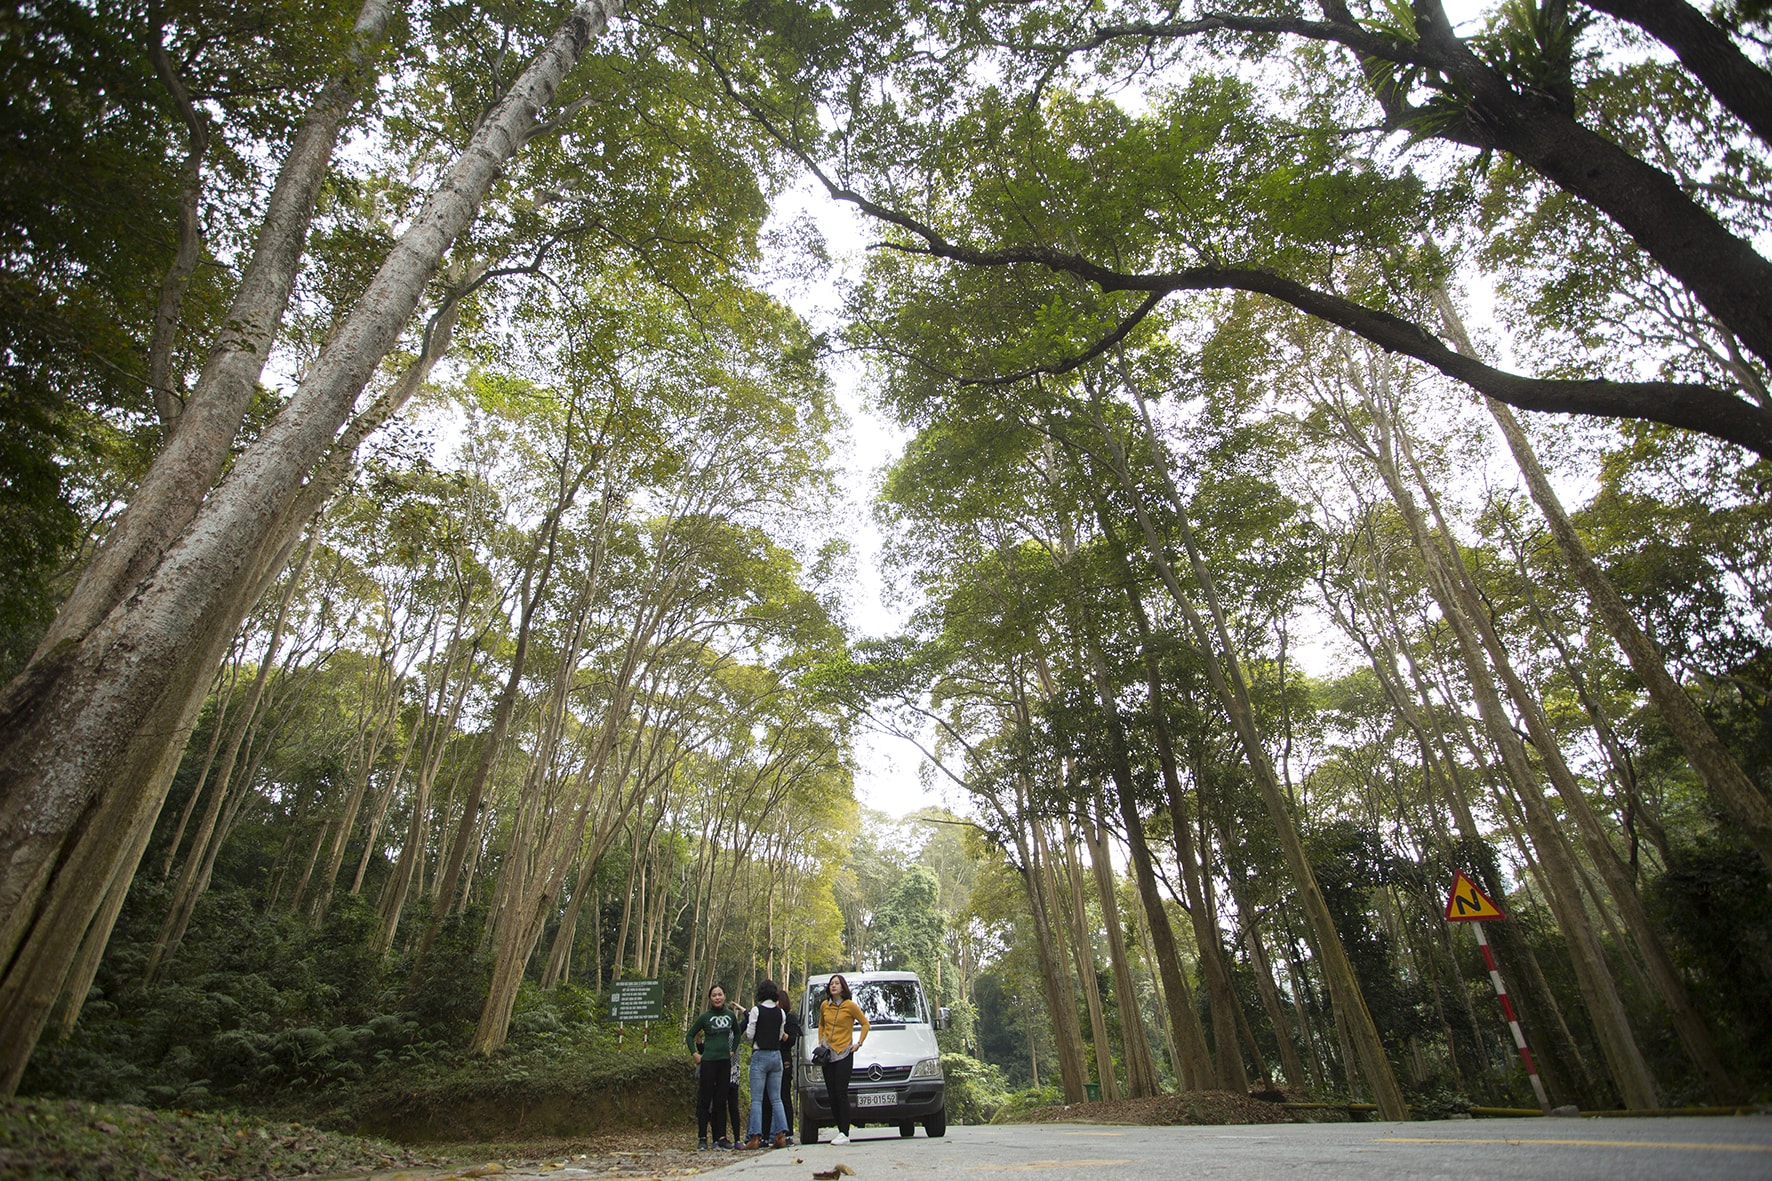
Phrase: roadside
[71,1140]
[79,1141]
[1191,1107]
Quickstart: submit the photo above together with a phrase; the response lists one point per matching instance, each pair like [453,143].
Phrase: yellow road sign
[1468,904]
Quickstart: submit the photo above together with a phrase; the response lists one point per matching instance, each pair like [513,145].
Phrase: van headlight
[811,1075]
[927,1068]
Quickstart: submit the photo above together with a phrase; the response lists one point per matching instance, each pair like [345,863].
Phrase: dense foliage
[430,595]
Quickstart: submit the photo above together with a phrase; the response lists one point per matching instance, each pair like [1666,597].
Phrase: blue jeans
[766,1083]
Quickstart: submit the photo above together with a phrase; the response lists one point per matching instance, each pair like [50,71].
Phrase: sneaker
[840,1138]
[722,1142]
[702,1144]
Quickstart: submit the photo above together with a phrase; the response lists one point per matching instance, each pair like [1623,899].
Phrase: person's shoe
[754,1142]
[702,1144]
[780,1141]
[723,1142]
[840,1138]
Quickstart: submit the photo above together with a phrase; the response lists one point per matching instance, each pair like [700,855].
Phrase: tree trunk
[1225,673]
[1141,1070]
[1083,953]
[1728,785]
[1290,1064]
[1197,1072]
[98,936]
[1693,1033]
[175,486]
[560,951]
[1558,1055]
[91,730]
[1059,1001]
[1221,999]
[1156,975]
[193,877]
[1617,1040]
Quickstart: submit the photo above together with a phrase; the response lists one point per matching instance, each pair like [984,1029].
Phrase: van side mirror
[944,1017]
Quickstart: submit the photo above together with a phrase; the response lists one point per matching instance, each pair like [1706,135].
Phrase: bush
[975,1089]
[1021,1102]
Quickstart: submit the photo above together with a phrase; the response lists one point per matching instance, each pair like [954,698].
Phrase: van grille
[882,1074]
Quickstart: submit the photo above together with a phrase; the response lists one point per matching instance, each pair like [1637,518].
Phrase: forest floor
[78,1141]
[1193,1107]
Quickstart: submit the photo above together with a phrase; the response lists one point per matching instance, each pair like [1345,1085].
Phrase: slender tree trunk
[1559,1057]
[170,493]
[222,693]
[189,250]
[1059,999]
[1225,673]
[1220,997]
[194,876]
[534,589]
[1082,951]
[1290,1063]
[1617,1040]
[1198,1069]
[92,947]
[1693,1032]
[561,950]
[1723,777]
[1169,1043]
[1141,1070]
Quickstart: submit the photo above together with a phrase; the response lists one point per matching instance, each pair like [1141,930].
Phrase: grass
[79,1141]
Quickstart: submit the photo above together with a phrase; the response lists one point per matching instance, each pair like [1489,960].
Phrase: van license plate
[876,1099]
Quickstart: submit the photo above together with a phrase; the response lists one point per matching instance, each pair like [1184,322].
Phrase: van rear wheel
[937,1124]
[907,1129]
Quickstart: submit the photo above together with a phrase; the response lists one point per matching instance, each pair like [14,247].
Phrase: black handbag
[821,1054]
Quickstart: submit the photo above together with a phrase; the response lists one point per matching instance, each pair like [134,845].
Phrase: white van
[898,1077]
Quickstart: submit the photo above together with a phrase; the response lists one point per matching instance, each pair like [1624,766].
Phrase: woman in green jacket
[713,1061]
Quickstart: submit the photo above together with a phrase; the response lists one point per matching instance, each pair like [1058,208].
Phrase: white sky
[887,768]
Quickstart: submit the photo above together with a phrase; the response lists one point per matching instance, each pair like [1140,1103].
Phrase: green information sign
[636,1000]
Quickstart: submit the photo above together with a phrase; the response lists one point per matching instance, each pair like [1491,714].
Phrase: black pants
[788,1082]
[710,1097]
[732,1103]
[836,1085]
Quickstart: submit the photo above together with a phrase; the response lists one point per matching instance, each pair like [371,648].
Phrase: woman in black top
[790,1037]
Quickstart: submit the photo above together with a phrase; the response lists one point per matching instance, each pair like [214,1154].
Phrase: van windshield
[886,1002]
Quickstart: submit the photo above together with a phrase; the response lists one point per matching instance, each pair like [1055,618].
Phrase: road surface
[1689,1149]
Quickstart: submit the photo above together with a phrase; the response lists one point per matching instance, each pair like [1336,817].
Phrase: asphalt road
[1700,1149]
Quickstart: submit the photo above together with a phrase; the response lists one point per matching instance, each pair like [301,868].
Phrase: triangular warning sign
[1469,904]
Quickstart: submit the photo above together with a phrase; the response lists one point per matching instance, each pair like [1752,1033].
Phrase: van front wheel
[907,1129]
[937,1124]
[808,1130]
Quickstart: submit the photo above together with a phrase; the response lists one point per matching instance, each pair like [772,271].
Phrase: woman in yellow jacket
[838,1020]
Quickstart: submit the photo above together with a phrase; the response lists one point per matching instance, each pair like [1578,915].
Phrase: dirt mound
[1191,1107]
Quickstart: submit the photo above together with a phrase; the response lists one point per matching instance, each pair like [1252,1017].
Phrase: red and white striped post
[1470,905]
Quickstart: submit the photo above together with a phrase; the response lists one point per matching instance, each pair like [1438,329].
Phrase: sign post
[635,1000]
[1467,904]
